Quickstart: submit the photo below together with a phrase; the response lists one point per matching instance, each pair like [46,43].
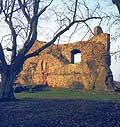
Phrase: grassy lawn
[71,94]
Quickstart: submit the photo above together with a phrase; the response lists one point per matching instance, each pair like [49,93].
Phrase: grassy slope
[67,93]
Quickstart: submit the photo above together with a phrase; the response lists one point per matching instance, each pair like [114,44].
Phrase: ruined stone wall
[54,66]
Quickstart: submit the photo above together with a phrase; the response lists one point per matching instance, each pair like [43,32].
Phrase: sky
[47,28]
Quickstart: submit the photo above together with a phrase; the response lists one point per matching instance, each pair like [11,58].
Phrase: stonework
[55,65]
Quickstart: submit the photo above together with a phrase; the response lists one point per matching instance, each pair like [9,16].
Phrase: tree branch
[22,6]
[1,6]
[35,53]
[117,3]
[33,26]
[14,36]
[74,16]
[2,56]
[44,9]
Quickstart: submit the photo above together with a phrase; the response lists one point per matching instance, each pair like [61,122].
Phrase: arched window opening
[75,56]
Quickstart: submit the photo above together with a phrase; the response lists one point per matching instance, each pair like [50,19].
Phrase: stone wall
[55,66]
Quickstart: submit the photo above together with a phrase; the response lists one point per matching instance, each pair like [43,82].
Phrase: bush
[31,88]
[18,89]
[76,85]
[40,88]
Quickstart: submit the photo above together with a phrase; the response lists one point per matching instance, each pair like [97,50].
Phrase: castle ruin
[57,65]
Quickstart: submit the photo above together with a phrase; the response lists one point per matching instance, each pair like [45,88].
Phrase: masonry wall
[54,65]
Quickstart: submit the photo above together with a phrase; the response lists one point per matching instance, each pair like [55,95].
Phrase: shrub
[18,89]
[40,88]
[31,88]
[76,85]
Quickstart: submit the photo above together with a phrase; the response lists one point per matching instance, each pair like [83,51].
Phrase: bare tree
[117,3]
[22,18]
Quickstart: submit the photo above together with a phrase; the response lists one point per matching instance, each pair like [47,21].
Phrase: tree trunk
[7,86]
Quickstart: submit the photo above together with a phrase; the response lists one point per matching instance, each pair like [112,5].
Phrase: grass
[59,113]
[62,108]
[71,94]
